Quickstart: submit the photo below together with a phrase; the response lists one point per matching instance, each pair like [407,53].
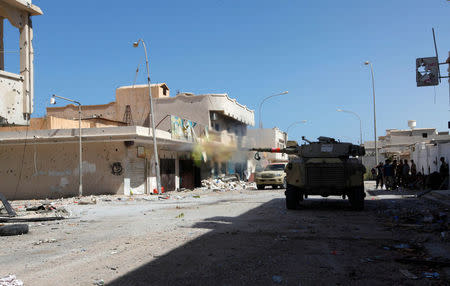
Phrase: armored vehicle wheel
[356,198]
[260,187]
[292,197]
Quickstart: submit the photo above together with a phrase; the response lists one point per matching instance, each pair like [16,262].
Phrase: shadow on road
[321,244]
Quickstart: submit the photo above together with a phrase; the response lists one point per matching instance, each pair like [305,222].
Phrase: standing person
[413,172]
[405,174]
[394,184]
[388,171]
[379,178]
[413,168]
[443,171]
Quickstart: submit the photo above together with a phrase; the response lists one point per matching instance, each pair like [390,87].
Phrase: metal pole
[360,132]
[80,179]
[152,121]
[374,115]
[80,173]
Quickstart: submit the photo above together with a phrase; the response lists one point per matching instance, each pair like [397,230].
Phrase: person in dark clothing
[413,177]
[413,168]
[394,175]
[398,174]
[405,174]
[443,171]
[388,171]
[379,177]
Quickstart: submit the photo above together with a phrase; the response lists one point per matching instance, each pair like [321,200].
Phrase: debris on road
[52,240]
[408,274]
[401,246]
[10,280]
[277,279]
[99,282]
[228,183]
[91,201]
[8,207]
[431,275]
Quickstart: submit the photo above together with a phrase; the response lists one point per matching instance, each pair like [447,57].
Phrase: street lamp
[151,117]
[294,123]
[80,173]
[374,111]
[260,105]
[360,124]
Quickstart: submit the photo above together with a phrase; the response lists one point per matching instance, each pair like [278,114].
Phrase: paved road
[231,238]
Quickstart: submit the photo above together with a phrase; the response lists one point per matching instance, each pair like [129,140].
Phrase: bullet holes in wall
[116,168]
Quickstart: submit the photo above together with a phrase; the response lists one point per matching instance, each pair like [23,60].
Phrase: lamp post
[260,105]
[151,117]
[80,173]
[374,111]
[294,123]
[359,118]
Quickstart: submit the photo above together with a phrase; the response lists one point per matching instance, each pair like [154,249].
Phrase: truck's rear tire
[356,198]
[260,187]
[292,197]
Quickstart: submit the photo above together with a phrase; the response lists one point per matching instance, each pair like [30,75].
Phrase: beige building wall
[51,170]
[48,122]
[135,96]
[71,111]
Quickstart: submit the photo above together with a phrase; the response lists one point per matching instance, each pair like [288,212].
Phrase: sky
[251,50]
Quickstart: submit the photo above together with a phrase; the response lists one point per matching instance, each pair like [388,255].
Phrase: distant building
[407,144]
[266,138]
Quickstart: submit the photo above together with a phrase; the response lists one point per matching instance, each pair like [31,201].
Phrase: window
[274,167]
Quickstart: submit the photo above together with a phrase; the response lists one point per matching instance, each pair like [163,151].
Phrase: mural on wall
[182,129]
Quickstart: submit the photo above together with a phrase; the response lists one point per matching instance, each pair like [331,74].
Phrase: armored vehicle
[326,168]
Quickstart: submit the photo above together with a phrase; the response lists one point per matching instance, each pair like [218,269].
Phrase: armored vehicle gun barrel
[288,150]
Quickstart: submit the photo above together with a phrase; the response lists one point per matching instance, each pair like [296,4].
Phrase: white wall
[427,156]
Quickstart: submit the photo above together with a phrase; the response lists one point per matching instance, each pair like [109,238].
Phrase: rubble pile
[228,183]
[10,280]
[422,220]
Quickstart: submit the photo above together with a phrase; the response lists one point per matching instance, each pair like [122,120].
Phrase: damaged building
[198,136]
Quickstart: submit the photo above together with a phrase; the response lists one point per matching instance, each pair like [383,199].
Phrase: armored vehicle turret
[325,167]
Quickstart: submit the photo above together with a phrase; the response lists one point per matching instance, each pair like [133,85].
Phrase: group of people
[400,174]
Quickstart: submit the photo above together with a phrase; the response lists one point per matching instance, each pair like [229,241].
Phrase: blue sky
[250,50]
